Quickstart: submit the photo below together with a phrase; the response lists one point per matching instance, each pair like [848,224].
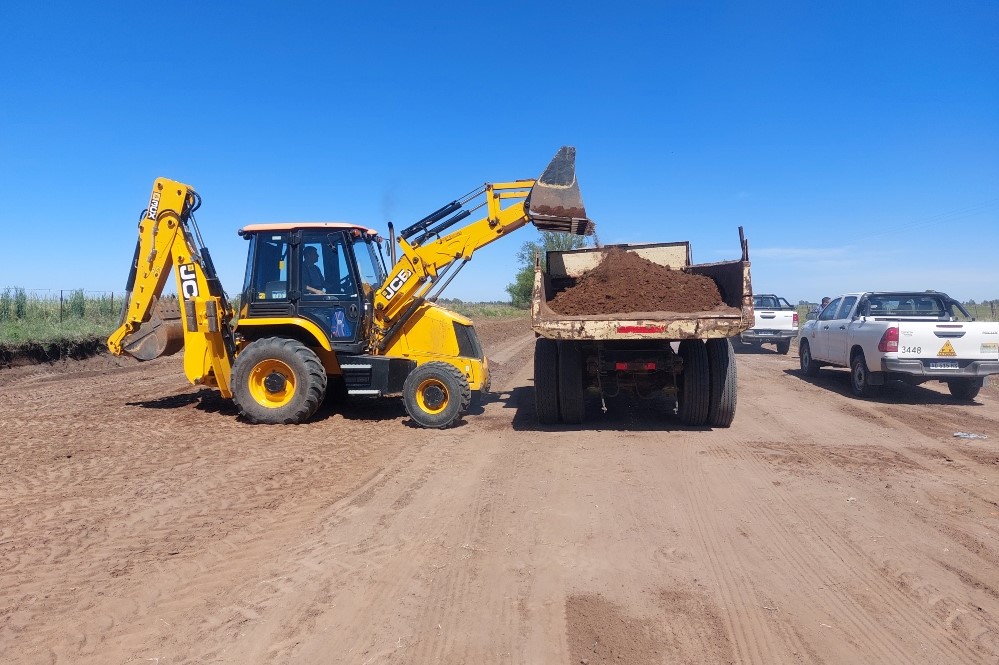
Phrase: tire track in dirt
[887,588]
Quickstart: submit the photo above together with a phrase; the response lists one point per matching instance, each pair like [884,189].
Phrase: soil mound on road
[625,282]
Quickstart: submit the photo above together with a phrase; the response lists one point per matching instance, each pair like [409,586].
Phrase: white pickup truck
[776,322]
[901,336]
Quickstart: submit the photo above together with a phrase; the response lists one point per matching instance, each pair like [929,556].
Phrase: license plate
[946,364]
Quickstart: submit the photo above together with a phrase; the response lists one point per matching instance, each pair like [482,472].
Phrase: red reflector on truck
[634,367]
[641,329]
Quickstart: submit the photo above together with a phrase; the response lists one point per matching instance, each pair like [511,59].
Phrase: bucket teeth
[555,203]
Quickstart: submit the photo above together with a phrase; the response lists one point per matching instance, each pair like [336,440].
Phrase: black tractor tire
[277,380]
[860,378]
[694,395]
[783,346]
[436,394]
[965,390]
[570,383]
[808,365]
[546,380]
[721,364]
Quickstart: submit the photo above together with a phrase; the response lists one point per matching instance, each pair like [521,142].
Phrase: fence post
[60,305]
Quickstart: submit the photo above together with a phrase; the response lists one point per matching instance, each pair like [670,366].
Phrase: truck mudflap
[555,203]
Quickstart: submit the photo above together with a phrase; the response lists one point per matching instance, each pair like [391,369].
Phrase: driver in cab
[312,276]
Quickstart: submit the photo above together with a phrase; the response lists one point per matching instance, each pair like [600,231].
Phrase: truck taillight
[794,317]
[889,341]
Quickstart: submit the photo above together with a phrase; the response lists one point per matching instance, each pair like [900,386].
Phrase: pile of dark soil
[625,282]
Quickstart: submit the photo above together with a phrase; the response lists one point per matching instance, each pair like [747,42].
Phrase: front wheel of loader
[436,394]
[278,380]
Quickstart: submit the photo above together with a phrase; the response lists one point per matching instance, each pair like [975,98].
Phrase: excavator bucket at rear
[161,335]
[555,203]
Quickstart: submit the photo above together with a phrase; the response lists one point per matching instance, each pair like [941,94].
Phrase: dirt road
[141,522]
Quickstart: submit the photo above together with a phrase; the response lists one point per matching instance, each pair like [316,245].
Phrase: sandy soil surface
[142,522]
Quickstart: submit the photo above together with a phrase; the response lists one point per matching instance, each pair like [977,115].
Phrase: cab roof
[291,226]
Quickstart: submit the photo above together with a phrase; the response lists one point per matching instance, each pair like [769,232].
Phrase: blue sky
[856,142]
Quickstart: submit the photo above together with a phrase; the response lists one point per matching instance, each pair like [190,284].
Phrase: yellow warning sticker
[947,350]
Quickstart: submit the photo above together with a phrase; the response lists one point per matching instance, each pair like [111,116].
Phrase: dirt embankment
[626,282]
[32,353]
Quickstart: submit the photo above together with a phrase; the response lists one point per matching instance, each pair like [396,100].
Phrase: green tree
[520,289]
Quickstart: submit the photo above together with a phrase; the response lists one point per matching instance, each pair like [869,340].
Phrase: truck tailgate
[944,343]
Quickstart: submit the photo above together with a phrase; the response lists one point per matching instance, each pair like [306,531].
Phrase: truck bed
[564,268]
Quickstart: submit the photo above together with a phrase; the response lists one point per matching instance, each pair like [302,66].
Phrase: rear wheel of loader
[570,383]
[278,380]
[436,394]
[694,395]
[721,366]
[546,380]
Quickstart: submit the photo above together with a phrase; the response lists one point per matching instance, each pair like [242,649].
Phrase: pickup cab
[776,322]
[909,336]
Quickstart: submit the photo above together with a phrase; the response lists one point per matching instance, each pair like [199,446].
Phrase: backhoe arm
[149,327]
[552,203]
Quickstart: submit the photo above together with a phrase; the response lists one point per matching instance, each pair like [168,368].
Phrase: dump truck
[686,355]
[319,312]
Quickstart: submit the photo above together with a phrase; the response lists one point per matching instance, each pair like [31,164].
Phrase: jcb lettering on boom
[188,281]
[154,205]
[396,284]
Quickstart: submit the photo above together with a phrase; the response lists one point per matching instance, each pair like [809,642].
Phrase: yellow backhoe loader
[319,312]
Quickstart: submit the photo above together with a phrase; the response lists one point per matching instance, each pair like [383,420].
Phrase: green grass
[484,310]
[72,316]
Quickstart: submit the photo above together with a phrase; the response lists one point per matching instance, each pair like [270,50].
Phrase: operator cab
[326,273]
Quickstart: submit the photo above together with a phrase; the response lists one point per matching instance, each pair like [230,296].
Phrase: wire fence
[58,306]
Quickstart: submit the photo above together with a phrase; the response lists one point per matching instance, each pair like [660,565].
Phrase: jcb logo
[188,281]
[389,291]
[154,205]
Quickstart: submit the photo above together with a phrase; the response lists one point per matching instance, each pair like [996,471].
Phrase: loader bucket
[555,203]
[161,335]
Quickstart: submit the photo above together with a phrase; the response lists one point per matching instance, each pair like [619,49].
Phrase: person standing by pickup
[814,312]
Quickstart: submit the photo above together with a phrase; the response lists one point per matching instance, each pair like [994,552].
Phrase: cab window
[829,313]
[268,274]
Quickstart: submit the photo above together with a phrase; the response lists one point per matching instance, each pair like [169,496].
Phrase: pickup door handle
[843,327]
[825,327]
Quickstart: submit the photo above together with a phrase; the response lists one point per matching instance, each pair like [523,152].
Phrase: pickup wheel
[570,383]
[860,378]
[436,394]
[546,380]
[694,395]
[721,364]
[277,380]
[963,389]
[783,346]
[808,365]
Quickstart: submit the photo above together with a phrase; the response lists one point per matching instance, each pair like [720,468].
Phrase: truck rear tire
[808,365]
[783,346]
[694,395]
[963,389]
[436,394]
[860,378]
[570,383]
[721,363]
[277,380]
[546,380]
